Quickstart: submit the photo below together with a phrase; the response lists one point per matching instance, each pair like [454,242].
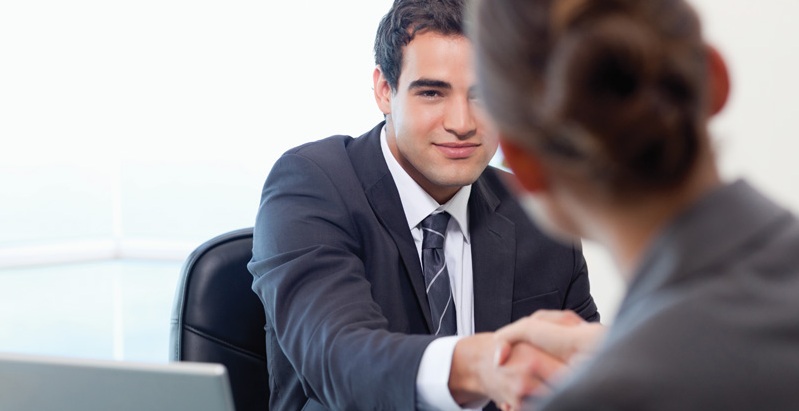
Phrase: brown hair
[611,89]
[404,20]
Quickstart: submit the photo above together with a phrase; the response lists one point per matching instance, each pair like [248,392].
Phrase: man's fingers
[554,339]
[517,378]
[548,368]
[561,334]
[517,331]
[501,353]
[562,317]
[525,329]
[528,369]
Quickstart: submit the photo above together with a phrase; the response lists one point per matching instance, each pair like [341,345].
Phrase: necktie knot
[434,227]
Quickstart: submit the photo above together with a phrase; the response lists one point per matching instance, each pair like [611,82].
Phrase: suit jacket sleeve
[309,276]
[578,296]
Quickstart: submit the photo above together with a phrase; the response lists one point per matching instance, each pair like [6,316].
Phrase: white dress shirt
[432,380]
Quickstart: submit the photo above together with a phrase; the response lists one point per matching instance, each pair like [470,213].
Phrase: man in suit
[357,317]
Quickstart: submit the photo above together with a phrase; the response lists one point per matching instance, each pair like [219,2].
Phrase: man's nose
[459,119]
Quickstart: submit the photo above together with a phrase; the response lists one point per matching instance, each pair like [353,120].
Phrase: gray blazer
[710,322]
[340,278]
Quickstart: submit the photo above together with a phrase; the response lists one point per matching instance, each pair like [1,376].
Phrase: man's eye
[429,93]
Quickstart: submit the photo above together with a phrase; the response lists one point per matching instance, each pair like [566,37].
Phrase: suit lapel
[367,159]
[385,201]
[493,239]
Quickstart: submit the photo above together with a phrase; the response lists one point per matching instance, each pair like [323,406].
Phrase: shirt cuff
[432,380]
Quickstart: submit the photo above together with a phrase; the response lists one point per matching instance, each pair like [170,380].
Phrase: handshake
[521,360]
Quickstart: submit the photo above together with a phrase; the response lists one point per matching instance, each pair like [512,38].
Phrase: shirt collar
[416,203]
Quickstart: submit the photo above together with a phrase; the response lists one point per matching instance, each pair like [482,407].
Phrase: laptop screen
[43,383]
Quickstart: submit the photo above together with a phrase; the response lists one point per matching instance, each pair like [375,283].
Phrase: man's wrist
[465,384]
[432,379]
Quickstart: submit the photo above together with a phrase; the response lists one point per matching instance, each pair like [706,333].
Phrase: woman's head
[612,93]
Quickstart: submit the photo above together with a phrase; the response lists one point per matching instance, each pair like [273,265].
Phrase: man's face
[435,127]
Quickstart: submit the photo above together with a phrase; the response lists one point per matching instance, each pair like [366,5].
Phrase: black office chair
[218,318]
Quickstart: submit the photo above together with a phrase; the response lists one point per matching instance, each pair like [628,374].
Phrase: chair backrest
[218,318]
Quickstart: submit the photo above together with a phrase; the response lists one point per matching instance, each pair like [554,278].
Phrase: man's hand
[541,374]
[476,376]
[562,334]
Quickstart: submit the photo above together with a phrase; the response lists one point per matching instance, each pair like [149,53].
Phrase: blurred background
[134,131]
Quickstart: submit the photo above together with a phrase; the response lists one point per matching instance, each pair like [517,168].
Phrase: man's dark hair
[408,18]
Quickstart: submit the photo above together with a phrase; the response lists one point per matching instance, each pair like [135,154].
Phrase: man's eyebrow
[422,83]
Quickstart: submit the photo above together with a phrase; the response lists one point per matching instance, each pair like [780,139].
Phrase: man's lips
[457,151]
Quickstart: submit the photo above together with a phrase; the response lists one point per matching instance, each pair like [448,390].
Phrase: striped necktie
[436,278]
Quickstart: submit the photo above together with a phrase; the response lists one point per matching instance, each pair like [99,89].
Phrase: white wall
[143,128]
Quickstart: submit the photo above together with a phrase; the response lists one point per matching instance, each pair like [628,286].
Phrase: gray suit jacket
[711,320]
[340,278]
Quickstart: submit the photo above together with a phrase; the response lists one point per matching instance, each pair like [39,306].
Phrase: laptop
[45,383]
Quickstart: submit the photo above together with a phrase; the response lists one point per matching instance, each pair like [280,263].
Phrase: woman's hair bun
[611,76]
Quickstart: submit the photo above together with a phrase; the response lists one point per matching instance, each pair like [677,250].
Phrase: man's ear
[719,82]
[525,165]
[382,91]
